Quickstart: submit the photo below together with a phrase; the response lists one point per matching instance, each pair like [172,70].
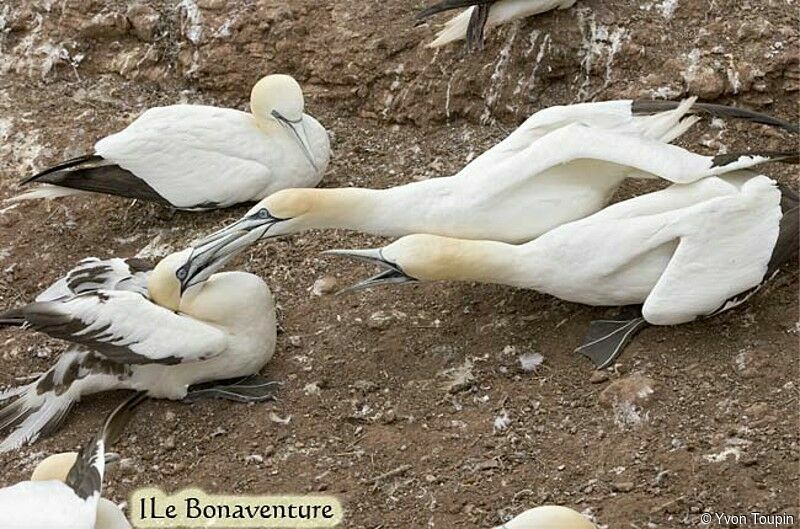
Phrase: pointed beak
[297,130]
[392,273]
[212,253]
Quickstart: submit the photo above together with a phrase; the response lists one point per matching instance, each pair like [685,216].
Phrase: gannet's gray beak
[392,274]
[297,130]
[211,253]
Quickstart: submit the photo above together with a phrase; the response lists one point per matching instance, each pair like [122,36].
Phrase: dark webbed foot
[253,388]
[606,339]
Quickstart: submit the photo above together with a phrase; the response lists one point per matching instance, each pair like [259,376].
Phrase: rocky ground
[414,405]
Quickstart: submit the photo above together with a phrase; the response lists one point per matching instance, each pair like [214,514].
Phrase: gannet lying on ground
[549,517]
[685,252]
[64,491]
[562,164]
[180,333]
[482,15]
[202,157]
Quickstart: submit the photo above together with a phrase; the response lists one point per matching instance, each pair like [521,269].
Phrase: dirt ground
[369,376]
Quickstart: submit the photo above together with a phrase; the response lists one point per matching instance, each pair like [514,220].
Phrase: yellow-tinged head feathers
[549,517]
[279,93]
[54,468]
[163,285]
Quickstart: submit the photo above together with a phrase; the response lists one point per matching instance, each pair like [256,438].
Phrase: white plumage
[548,517]
[562,164]
[203,157]
[162,341]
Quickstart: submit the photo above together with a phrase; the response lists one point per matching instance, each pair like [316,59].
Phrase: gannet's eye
[263,214]
[181,273]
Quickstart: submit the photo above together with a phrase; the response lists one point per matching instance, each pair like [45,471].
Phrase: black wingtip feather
[720,111]
[74,163]
[449,5]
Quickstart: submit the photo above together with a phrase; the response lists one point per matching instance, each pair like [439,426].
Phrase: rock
[311,389]
[254,458]
[706,83]
[365,386]
[634,390]
[598,377]
[144,21]
[382,319]
[757,411]
[295,341]
[622,486]
[168,443]
[105,26]
[325,285]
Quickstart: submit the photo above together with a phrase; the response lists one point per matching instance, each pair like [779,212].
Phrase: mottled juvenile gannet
[562,164]
[202,157]
[683,253]
[549,517]
[180,332]
[64,490]
[484,14]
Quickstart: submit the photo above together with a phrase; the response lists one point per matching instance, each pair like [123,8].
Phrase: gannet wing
[725,246]
[196,156]
[92,274]
[123,327]
[641,157]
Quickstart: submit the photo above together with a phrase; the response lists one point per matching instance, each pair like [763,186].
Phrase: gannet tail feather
[47,191]
[787,157]
[448,5]
[719,111]
[95,174]
[39,408]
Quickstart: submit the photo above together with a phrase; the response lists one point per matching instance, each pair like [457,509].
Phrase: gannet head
[168,280]
[278,100]
[410,259]
[549,517]
[57,466]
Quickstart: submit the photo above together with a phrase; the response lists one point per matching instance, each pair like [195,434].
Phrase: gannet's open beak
[211,253]
[297,130]
[392,274]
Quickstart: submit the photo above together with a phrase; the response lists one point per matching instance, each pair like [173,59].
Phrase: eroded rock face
[374,63]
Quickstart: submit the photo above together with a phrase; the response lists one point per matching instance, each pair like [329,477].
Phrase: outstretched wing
[724,248]
[124,327]
[93,274]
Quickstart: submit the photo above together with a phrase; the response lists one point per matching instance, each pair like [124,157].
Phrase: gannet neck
[109,516]
[54,468]
[381,212]
[433,258]
[234,300]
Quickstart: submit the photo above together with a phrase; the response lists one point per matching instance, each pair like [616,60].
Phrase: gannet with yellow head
[65,489]
[202,157]
[164,341]
[686,252]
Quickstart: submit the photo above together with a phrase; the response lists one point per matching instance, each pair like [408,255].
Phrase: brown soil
[75,70]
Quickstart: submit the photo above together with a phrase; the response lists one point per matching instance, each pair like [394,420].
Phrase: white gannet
[202,157]
[183,331]
[562,164]
[482,15]
[685,252]
[548,517]
[64,490]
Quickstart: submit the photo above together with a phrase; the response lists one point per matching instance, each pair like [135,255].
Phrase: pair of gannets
[64,490]
[562,164]
[471,23]
[202,157]
[686,252]
[142,328]
[548,517]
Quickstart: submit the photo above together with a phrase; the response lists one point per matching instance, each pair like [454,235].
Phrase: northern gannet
[482,15]
[548,517]
[202,157]
[562,164]
[180,333]
[64,490]
[686,252]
